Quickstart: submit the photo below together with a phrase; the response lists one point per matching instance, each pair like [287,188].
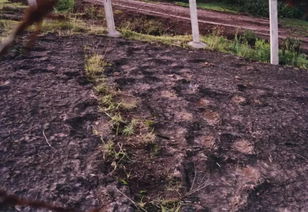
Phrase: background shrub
[65,5]
[260,7]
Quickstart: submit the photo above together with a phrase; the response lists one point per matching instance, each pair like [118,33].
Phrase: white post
[195,26]
[274,32]
[112,32]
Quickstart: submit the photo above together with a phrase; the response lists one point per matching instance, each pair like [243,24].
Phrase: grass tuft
[178,40]
[94,66]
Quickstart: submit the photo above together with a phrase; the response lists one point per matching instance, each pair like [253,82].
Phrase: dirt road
[207,18]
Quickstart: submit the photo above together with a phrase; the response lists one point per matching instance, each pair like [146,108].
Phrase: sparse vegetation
[130,128]
[258,50]
[15,5]
[246,45]
[93,12]
[111,103]
[72,25]
[115,152]
[171,206]
[179,40]
[149,137]
[68,27]
[94,66]
[144,26]
[162,205]
[6,26]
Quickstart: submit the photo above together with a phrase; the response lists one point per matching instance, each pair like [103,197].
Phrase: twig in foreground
[47,140]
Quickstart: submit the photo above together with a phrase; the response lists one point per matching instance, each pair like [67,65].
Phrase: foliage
[249,37]
[143,25]
[260,51]
[65,5]
[290,53]
[217,6]
[69,26]
[254,7]
[261,8]
[285,11]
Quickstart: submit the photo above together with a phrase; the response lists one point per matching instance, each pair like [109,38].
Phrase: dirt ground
[231,135]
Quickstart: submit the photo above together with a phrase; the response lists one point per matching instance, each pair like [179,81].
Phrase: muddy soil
[234,131]
[48,151]
[231,134]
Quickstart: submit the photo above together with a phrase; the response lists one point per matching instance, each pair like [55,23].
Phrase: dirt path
[207,18]
[231,135]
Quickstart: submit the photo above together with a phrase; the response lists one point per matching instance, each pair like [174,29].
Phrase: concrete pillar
[274,32]
[196,43]
[112,32]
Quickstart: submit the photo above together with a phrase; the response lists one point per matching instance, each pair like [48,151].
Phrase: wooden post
[112,32]
[274,32]
[195,26]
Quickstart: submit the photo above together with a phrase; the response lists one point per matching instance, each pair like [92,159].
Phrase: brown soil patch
[211,117]
[243,146]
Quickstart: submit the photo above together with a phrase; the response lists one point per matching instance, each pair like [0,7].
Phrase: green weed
[130,128]
[114,152]
[289,55]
